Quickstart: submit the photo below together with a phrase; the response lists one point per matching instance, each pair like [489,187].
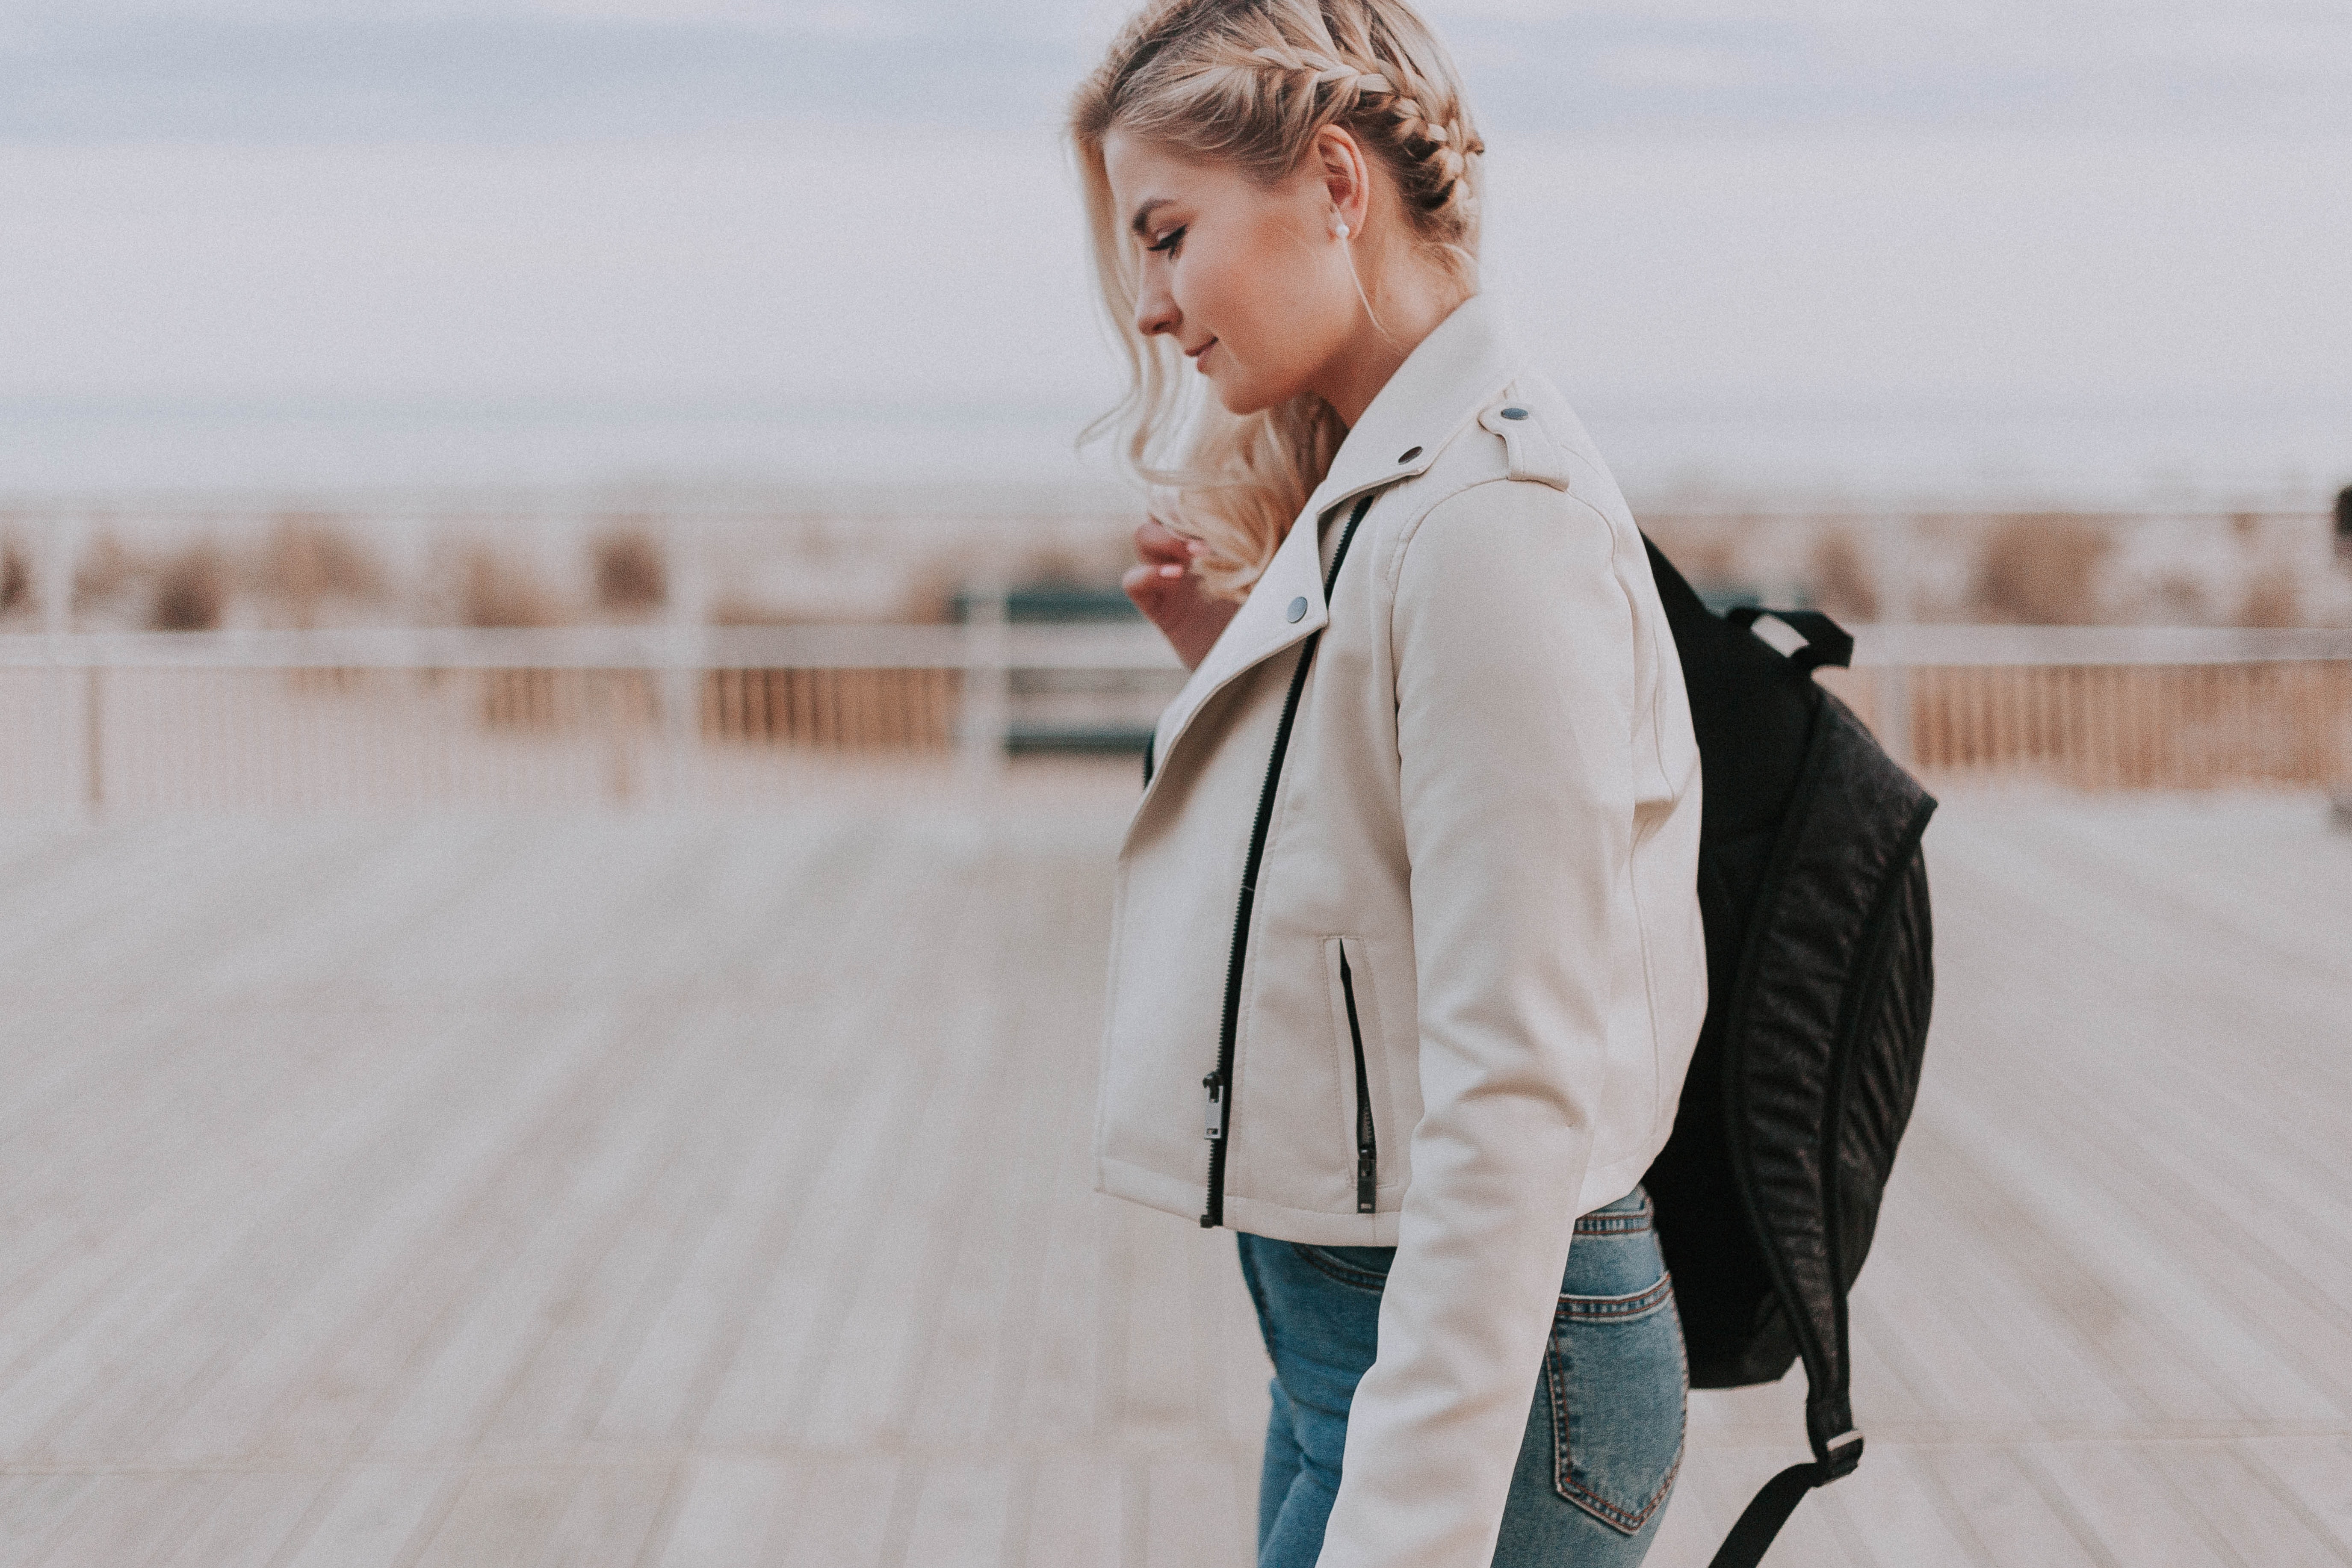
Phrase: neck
[1411,301]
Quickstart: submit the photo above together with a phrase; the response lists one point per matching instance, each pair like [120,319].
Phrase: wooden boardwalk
[650,1190]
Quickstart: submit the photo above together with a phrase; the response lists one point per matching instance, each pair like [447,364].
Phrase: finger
[1150,586]
[1162,599]
[1158,577]
[1154,540]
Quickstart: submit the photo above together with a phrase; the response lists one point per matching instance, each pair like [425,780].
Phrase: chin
[1247,397]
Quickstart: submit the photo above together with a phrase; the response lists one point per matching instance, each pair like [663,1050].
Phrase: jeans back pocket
[1619,1387]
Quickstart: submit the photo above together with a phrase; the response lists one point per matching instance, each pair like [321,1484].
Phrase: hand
[1165,589]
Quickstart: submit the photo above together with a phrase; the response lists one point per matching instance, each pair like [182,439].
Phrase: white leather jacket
[1468,887]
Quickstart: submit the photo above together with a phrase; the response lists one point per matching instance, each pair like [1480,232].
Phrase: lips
[1200,356]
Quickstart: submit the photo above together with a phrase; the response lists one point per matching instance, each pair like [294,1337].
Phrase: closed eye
[1167,243]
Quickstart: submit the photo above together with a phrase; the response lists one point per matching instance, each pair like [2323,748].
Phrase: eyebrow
[1143,214]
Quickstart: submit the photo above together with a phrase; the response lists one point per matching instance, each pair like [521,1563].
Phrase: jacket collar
[1452,375]
[1449,376]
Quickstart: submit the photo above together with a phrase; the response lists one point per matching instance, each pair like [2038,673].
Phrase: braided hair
[1253,82]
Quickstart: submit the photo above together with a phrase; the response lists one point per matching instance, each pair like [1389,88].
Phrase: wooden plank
[118,934]
[953,1153]
[131,1518]
[1063,1341]
[2184,991]
[2256,1216]
[2138,1515]
[2004,1509]
[498,1516]
[377,1516]
[1887,1383]
[145,1270]
[1226,1344]
[1195,1515]
[218,1286]
[420,1297]
[728,1511]
[2193,861]
[634,1184]
[409,873]
[91,895]
[96,1169]
[1159,1379]
[2086,1227]
[38,1511]
[842,1515]
[969,1382]
[701,1214]
[448,1393]
[1075,1500]
[556,1385]
[616,1514]
[2313,1479]
[779,1327]
[1896,1514]
[248,1517]
[965,1514]
[1062,1387]
[2084,1324]
[393,1208]
[2237,1507]
[2095,1234]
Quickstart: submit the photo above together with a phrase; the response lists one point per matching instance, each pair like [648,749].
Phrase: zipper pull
[1215,1084]
[1366,1178]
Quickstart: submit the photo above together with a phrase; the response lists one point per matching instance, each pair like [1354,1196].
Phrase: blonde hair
[1253,82]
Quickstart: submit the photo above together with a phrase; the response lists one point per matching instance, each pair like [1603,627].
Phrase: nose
[1155,308]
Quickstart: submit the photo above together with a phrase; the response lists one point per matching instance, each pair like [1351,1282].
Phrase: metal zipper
[1219,1084]
[1367,1150]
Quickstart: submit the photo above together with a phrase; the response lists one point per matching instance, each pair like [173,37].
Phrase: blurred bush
[191,591]
[1842,581]
[307,560]
[2041,569]
[632,573]
[494,590]
[15,577]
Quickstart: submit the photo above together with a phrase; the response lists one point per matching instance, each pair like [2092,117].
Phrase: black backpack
[1815,894]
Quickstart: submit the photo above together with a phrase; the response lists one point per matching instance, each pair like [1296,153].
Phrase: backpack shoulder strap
[1826,642]
[1761,1519]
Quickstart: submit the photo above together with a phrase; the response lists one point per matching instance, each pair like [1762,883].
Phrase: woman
[1407,912]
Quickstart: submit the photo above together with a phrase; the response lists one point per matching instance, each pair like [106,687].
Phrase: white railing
[1992,646]
[639,707]
[987,643]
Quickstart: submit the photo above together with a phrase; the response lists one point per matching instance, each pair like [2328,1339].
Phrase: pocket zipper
[1218,1085]
[1367,1149]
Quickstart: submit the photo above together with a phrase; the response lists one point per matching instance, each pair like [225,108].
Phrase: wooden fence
[843,709]
[2135,727]
[325,720]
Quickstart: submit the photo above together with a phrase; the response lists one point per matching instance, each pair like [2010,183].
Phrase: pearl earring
[1338,228]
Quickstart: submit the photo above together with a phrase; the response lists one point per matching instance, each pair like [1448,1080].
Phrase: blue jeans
[1605,1432]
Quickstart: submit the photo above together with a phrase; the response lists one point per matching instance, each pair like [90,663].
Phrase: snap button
[1297,611]
[1515,413]
[1410,454]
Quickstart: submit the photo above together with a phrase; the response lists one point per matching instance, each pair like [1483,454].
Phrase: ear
[1346,173]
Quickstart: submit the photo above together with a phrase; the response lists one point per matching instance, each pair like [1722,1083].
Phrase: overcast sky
[1754,240]
[307,69]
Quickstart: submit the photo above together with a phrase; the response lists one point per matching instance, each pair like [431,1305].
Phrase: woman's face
[1249,280]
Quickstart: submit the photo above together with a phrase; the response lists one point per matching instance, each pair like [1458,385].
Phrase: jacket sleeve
[1512,648]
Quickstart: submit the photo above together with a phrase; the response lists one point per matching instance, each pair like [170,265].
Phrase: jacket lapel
[1261,628]
[1441,387]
